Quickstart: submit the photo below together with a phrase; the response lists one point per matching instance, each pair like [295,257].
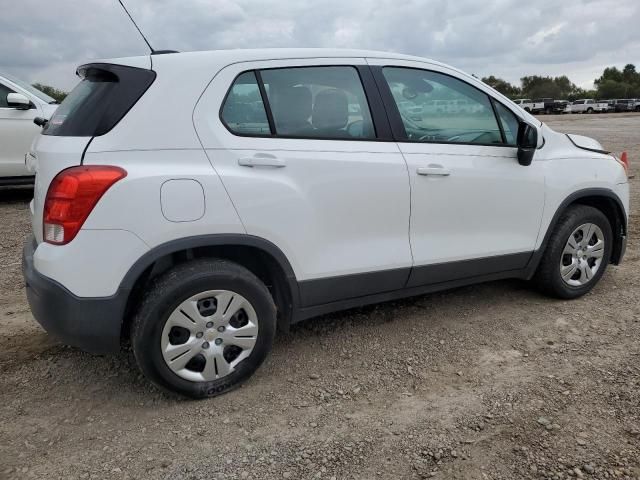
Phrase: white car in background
[588,105]
[529,105]
[20,103]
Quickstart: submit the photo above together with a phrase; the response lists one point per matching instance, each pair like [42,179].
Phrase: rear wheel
[548,111]
[577,254]
[203,328]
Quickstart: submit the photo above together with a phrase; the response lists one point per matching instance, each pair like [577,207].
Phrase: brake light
[71,197]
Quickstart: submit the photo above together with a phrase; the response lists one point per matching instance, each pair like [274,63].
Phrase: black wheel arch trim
[212,240]
[619,236]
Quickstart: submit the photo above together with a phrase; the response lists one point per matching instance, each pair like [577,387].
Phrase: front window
[438,108]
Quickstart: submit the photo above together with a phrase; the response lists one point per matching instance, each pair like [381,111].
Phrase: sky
[45,41]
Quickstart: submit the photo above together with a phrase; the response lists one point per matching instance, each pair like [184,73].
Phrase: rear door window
[326,102]
[104,95]
[243,111]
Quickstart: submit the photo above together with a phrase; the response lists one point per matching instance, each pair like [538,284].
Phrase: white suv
[20,104]
[190,203]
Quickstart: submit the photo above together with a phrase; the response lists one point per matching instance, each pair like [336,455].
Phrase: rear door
[308,161]
[474,209]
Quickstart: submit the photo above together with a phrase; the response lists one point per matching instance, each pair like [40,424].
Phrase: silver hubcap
[208,335]
[582,255]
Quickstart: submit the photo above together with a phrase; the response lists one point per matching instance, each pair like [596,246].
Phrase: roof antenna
[138,28]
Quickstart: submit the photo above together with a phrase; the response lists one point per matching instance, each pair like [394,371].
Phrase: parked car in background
[20,103]
[525,103]
[561,106]
[635,104]
[624,105]
[547,106]
[588,105]
[195,235]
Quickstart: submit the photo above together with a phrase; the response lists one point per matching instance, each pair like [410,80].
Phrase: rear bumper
[91,324]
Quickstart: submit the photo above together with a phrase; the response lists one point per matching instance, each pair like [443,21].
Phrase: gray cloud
[45,41]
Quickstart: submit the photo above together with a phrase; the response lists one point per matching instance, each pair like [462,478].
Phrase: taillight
[72,195]
[624,160]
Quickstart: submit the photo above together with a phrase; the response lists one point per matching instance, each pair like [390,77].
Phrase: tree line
[613,83]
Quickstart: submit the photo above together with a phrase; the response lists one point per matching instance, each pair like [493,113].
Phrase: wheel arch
[604,200]
[260,256]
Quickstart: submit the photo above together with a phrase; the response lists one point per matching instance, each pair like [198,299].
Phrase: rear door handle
[434,170]
[262,161]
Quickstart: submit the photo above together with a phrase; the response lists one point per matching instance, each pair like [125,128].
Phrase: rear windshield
[104,95]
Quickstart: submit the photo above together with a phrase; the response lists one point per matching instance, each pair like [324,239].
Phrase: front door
[474,209]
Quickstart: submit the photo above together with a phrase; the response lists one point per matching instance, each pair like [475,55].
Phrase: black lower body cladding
[91,324]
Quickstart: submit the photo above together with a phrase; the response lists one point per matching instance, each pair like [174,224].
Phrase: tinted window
[509,122]
[318,102]
[105,94]
[439,108]
[4,91]
[243,111]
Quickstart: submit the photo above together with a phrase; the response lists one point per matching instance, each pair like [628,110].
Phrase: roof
[247,55]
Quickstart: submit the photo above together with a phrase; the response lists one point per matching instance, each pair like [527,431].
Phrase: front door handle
[434,170]
[262,161]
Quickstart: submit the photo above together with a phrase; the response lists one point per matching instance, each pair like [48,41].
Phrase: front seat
[331,114]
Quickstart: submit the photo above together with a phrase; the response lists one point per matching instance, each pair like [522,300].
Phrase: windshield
[30,88]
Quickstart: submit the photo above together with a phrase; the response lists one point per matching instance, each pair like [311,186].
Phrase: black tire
[548,111]
[547,277]
[589,110]
[527,109]
[180,283]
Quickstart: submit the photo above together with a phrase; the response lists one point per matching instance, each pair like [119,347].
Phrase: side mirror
[19,101]
[527,143]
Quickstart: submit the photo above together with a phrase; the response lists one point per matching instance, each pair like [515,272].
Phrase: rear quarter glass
[102,98]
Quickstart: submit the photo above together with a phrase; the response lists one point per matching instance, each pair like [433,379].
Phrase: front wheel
[203,328]
[589,110]
[577,254]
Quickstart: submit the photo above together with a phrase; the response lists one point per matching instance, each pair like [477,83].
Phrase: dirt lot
[486,382]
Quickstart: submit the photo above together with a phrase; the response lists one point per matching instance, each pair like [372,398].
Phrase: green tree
[615,83]
[540,87]
[53,92]
[613,89]
[502,86]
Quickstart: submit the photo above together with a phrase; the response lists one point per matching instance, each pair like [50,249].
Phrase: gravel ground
[486,382]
